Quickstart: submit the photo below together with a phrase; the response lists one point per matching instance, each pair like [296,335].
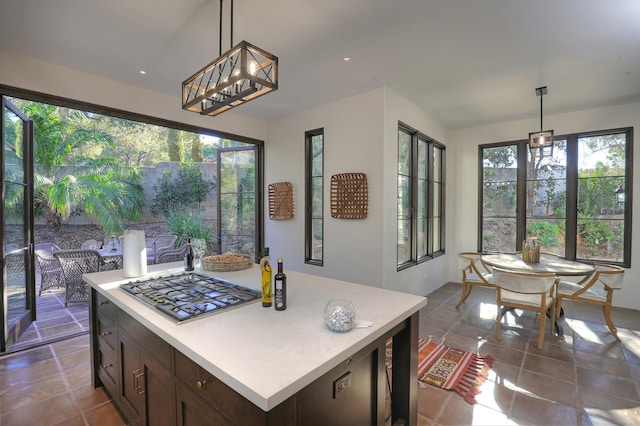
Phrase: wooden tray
[209,263]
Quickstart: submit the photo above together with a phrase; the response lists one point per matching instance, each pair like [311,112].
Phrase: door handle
[137,387]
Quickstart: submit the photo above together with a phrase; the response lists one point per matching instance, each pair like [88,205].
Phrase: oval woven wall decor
[280,201]
[349,196]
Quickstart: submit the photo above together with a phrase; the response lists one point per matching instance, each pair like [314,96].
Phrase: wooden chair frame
[474,273]
[604,274]
[541,309]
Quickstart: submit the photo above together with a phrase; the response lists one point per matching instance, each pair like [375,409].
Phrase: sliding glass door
[18,285]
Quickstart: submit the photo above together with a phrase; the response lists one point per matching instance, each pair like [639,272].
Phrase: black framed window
[575,197]
[314,217]
[421,192]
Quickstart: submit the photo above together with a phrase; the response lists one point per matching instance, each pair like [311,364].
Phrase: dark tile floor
[583,377]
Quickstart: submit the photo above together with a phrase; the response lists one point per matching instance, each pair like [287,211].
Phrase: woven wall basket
[349,196]
[280,201]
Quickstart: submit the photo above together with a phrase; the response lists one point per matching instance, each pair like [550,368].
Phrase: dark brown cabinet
[152,383]
[107,367]
[147,386]
[147,395]
[133,364]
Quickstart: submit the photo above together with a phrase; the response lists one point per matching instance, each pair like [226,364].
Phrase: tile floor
[581,378]
[54,321]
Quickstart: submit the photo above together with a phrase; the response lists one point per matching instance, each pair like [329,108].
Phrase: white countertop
[263,354]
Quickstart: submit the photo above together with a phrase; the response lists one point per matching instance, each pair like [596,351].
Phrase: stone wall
[151,177]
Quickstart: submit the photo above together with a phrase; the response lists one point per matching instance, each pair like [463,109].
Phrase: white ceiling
[466,62]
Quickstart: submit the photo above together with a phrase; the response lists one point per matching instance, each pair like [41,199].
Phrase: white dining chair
[528,291]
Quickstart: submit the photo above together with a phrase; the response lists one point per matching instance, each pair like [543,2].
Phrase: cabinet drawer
[105,306]
[153,344]
[221,397]
[108,368]
[107,332]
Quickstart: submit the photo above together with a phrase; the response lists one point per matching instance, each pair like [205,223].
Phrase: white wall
[352,143]
[360,135]
[465,143]
[31,74]
[428,276]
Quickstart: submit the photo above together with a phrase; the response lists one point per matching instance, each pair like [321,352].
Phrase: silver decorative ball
[340,315]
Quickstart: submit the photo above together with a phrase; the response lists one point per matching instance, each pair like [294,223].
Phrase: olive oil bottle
[265,267]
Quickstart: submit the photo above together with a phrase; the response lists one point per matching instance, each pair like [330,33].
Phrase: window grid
[567,200]
[314,198]
[420,209]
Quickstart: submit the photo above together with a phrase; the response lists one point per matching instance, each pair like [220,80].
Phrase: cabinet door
[160,398]
[192,411]
[132,380]
[347,395]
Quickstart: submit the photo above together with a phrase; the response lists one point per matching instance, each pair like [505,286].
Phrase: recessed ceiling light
[346,59]
[143,72]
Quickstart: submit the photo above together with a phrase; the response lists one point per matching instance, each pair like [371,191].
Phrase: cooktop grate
[187,296]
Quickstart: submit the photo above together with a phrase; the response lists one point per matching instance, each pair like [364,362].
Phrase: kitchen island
[252,364]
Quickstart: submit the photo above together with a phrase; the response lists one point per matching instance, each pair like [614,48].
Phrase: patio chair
[474,273]
[529,291]
[91,245]
[75,263]
[167,255]
[161,244]
[596,288]
[51,274]
[16,275]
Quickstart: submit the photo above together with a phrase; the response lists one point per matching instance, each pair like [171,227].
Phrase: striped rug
[451,369]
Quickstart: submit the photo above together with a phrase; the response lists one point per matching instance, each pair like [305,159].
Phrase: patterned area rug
[451,369]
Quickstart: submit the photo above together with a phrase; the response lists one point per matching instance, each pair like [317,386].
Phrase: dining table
[548,263]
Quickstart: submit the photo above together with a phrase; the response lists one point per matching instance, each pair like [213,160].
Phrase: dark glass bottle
[280,288]
[188,257]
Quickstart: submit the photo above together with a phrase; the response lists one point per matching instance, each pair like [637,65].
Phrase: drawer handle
[200,384]
[137,387]
[105,366]
[104,302]
[105,333]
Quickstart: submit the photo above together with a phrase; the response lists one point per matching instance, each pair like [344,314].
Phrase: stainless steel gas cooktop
[189,295]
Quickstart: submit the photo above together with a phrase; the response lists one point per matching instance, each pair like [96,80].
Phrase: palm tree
[69,171]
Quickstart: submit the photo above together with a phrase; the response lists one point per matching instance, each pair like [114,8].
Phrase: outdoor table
[111,256]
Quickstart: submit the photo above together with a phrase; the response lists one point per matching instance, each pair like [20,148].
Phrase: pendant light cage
[243,73]
[541,142]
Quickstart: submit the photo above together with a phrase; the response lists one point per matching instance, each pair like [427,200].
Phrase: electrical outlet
[342,384]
